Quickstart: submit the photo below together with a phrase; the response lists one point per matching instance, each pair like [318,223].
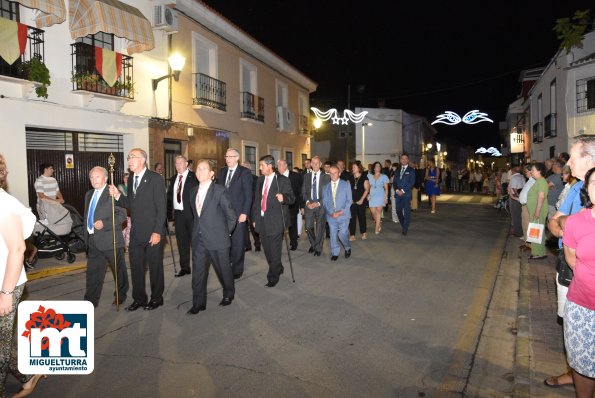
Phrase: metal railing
[252,106]
[303,124]
[35,49]
[210,92]
[538,132]
[86,77]
[550,125]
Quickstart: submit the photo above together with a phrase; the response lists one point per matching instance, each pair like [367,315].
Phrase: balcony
[210,93]
[303,124]
[538,132]
[85,76]
[252,107]
[550,125]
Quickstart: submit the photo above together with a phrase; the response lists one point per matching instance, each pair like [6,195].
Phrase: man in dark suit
[343,174]
[178,200]
[313,209]
[148,208]
[214,221]
[238,182]
[270,215]
[99,237]
[296,181]
[249,226]
[403,182]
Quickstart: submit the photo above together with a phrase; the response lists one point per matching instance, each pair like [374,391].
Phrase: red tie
[265,194]
[179,193]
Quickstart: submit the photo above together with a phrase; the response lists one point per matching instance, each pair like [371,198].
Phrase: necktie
[92,211]
[179,193]
[135,183]
[402,172]
[229,174]
[198,203]
[265,194]
[314,189]
[335,194]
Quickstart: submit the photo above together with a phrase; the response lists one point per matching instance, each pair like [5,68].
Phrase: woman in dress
[432,183]
[16,224]
[360,187]
[378,194]
[579,312]
[537,207]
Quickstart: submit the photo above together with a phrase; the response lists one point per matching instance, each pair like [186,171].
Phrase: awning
[88,17]
[49,11]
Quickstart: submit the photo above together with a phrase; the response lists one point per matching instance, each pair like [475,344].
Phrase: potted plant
[36,71]
[85,81]
[125,88]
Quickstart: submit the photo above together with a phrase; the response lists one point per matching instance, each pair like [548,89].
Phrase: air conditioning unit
[165,18]
[285,120]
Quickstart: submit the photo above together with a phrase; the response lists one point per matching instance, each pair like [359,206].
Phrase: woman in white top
[16,224]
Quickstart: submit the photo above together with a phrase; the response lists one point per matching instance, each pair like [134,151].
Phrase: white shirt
[202,193]
[97,192]
[286,173]
[525,190]
[228,173]
[179,206]
[140,178]
[517,181]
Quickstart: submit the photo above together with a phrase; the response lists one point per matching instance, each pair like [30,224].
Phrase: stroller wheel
[60,256]
[71,258]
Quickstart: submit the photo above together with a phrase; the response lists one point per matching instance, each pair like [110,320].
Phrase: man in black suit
[313,209]
[296,181]
[307,166]
[238,182]
[99,237]
[214,221]
[148,208]
[271,216]
[178,200]
[249,224]
[343,174]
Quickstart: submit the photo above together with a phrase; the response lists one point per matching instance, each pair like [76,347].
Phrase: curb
[521,367]
[52,271]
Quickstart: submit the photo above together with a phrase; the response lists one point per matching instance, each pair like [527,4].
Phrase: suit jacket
[406,183]
[296,181]
[104,238]
[217,218]
[189,183]
[240,188]
[307,186]
[147,208]
[271,219]
[343,200]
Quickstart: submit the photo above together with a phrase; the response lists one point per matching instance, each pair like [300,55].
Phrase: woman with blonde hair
[378,194]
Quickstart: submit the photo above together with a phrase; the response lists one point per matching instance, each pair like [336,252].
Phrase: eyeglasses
[133,157]
[231,156]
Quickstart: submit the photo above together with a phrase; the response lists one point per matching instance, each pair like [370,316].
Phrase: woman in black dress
[360,187]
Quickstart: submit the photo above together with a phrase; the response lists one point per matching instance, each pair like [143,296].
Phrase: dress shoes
[334,258]
[347,253]
[270,284]
[153,304]
[225,301]
[311,250]
[135,306]
[317,253]
[238,276]
[404,232]
[196,309]
[293,247]
[182,272]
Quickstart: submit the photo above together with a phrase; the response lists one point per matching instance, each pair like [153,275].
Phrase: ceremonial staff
[111,160]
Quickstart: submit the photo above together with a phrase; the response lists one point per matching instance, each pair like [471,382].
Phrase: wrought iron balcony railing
[86,77]
[210,92]
[550,125]
[252,107]
[35,49]
[538,132]
[303,124]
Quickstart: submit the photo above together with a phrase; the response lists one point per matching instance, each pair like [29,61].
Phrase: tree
[571,32]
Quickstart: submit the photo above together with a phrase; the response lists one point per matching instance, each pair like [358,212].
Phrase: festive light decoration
[491,151]
[472,117]
[332,114]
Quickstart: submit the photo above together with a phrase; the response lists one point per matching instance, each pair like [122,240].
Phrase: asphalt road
[400,318]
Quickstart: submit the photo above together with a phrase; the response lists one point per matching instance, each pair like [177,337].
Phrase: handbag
[535,233]
[565,273]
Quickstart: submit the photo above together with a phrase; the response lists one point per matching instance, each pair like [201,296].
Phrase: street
[401,318]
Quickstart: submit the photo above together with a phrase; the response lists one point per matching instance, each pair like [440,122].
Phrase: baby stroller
[58,232]
[502,203]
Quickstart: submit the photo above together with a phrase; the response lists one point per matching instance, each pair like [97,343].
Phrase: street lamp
[176,63]
[364,142]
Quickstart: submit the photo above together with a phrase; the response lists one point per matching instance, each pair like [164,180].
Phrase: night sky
[425,57]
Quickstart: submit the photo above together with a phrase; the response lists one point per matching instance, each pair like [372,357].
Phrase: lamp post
[176,64]
[364,142]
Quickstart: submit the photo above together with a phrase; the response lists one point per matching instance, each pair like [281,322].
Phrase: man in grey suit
[148,208]
[271,215]
[314,214]
[214,221]
[99,238]
[337,200]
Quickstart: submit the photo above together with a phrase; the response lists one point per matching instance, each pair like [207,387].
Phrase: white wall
[384,139]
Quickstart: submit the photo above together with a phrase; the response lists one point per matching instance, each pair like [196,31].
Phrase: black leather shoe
[404,232]
[195,310]
[311,250]
[182,272]
[225,301]
[249,249]
[293,247]
[257,249]
[270,284]
[316,253]
[237,276]
[334,258]
[153,304]
[347,253]
[135,306]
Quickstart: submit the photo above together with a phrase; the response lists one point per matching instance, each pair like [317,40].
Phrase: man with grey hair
[99,238]
[294,209]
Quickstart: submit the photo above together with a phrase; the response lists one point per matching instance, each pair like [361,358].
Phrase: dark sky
[425,57]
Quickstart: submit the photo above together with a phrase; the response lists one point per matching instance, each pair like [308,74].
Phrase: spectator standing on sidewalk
[555,185]
[523,202]
[517,182]
[537,207]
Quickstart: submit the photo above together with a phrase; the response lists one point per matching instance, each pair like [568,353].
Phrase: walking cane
[285,236]
[111,160]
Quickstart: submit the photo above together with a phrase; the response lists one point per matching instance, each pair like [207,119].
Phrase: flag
[109,64]
[13,40]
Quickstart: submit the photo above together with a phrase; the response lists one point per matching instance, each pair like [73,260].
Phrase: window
[248,77]
[275,152]
[289,159]
[250,155]
[281,89]
[9,10]
[204,56]
[585,95]
[100,39]
[550,120]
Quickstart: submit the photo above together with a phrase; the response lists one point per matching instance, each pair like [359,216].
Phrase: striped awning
[49,12]
[88,17]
